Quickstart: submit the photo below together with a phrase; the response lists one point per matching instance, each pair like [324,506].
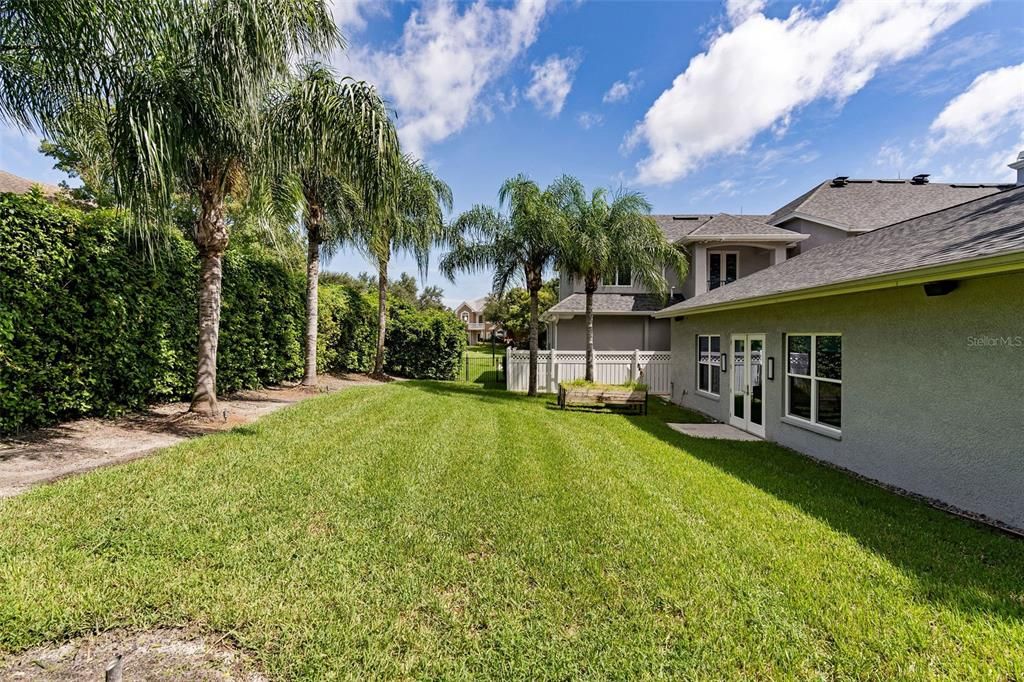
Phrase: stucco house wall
[932,401]
[611,332]
[820,234]
[615,332]
[574,285]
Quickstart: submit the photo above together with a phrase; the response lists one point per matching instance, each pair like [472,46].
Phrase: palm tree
[522,243]
[189,121]
[56,53]
[182,82]
[607,233]
[337,157]
[411,221]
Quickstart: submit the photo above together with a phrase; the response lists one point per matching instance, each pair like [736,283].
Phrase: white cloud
[992,106]
[620,90]
[447,55]
[741,10]
[350,15]
[891,158]
[588,120]
[551,83]
[756,76]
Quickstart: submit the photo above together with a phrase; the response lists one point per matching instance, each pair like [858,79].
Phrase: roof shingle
[989,226]
[611,303]
[870,204]
[690,227]
[15,184]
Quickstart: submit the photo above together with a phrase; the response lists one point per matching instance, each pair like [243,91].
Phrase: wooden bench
[601,396]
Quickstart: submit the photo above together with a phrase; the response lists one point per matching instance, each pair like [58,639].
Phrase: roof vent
[686,217]
[921,179]
[1018,166]
[840,180]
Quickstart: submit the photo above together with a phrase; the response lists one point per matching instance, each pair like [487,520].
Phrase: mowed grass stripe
[436,530]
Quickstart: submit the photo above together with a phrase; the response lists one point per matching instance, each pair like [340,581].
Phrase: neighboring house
[723,248]
[15,184]
[478,329]
[898,354]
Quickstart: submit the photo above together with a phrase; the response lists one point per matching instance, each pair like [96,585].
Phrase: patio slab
[717,431]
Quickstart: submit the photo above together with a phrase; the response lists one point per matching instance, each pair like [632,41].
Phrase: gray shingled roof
[611,303]
[689,227]
[870,204]
[675,227]
[989,226]
[15,184]
[727,225]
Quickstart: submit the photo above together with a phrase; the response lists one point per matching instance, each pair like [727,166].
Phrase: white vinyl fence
[653,368]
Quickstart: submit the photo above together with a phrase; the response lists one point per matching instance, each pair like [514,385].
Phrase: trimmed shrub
[424,344]
[92,323]
[347,330]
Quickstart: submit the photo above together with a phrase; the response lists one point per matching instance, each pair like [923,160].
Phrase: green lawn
[480,366]
[444,531]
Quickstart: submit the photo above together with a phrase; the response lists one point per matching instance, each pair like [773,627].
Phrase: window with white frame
[622,277]
[723,267]
[814,378]
[709,369]
[465,317]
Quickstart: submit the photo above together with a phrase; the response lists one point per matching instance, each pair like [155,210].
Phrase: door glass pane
[828,357]
[799,352]
[714,270]
[800,397]
[738,377]
[730,267]
[756,396]
[830,404]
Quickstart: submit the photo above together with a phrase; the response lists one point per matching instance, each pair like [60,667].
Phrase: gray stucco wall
[927,406]
[820,234]
[614,332]
[570,285]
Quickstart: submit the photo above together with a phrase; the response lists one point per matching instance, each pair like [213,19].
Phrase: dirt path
[161,654]
[79,446]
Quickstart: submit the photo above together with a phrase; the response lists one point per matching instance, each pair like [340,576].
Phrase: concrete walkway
[716,431]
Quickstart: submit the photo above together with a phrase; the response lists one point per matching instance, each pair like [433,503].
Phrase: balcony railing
[715,283]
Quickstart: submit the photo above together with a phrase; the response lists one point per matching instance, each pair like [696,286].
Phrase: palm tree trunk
[212,240]
[534,338]
[382,316]
[590,333]
[309,377]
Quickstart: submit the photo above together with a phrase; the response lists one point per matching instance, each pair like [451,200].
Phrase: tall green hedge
[92,323]
[414,338]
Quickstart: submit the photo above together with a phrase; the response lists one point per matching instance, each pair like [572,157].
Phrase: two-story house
[722,248]
[478,330]
[895,351]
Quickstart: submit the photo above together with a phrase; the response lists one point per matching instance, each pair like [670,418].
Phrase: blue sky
[704,106]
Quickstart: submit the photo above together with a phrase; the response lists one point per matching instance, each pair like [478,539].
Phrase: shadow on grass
[953,561]
[960,563]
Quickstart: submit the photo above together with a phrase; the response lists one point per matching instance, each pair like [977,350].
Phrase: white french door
[746,364]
